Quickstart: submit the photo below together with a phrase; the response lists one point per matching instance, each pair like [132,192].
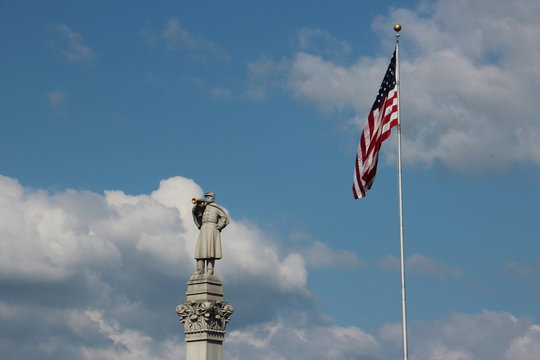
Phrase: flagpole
[397,28]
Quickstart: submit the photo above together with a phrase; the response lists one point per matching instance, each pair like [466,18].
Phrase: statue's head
[210,197]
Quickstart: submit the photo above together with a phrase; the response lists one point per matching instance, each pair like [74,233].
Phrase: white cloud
[178,38]
[331,86]
[420,264]
[128,344]
[441,352]
[523,270]
[485,336]
[294,338]
[92,276]
[527,346]
[469,79]
[221,92]
[321,42]
[50,237]
[71,45]
[56,101]
[123,257]
[265,73]
[319,255]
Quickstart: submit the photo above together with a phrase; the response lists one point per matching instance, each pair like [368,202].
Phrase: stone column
[204,315]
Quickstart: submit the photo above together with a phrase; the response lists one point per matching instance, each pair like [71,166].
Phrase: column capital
[203,316]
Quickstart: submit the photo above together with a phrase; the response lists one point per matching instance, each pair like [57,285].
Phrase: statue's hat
[210,194]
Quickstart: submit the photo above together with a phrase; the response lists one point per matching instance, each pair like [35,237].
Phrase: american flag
[381,119]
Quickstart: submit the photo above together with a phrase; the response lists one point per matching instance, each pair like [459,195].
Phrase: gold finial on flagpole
[397,28]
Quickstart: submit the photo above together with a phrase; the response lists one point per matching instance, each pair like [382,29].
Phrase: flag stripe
[381,119]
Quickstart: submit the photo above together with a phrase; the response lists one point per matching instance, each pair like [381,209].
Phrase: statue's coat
[211,219]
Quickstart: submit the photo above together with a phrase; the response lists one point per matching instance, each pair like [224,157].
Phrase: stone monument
[204,313]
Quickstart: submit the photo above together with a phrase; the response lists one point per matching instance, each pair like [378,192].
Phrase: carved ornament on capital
[204,315]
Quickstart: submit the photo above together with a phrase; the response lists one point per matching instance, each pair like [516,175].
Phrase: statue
[210,218]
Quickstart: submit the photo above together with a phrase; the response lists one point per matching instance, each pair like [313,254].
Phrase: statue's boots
[210,267]
[200,267]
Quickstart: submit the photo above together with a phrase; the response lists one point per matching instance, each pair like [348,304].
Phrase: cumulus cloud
[128,344]
[293,338]
[474,72]
[484,336]
[526,346]
[420,264]
[77,334]
[98,276]
[122,261]
[469,79]
[71,44]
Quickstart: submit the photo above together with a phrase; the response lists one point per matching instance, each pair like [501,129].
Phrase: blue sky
[114,115]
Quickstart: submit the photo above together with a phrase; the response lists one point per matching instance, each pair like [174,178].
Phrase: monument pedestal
[205,316]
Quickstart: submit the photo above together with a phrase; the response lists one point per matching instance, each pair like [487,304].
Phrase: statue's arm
[197,215]
[222,221]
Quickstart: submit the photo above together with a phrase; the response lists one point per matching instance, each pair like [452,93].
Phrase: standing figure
[210,218]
